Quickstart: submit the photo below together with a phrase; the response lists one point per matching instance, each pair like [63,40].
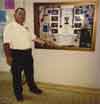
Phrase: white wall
[74,68]
[65,67]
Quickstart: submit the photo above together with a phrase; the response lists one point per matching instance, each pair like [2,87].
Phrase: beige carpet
[49,96]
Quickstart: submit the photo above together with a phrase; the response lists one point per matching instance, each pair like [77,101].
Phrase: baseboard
[78,89]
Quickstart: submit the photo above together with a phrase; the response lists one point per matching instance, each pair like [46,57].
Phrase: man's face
[20,16]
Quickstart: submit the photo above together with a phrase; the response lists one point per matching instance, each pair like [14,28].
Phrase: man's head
[20,15]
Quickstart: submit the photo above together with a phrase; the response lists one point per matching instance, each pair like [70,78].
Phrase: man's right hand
[7,53]
[9,60]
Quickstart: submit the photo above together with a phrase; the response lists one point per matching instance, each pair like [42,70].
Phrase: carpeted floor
[49,96]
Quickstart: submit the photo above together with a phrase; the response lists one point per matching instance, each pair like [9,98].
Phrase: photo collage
[64,24]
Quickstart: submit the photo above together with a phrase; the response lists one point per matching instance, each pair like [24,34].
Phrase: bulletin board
[66,25]
[6,15]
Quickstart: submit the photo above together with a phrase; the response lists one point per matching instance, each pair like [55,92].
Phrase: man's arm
[39,40]
[7,52]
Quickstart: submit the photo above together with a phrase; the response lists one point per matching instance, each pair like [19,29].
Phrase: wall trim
[78,89]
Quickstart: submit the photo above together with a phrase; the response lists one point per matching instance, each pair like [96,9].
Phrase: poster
[2,25]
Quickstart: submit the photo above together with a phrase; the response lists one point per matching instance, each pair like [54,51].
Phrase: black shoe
[20,99]
[36,91]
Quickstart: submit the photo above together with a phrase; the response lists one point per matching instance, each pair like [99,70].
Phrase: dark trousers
[22,60]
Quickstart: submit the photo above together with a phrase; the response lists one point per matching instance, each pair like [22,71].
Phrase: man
[18,52]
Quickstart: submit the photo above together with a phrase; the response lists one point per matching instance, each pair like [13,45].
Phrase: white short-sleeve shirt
[18,36]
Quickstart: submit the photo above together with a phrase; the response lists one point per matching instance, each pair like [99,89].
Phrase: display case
[66,25]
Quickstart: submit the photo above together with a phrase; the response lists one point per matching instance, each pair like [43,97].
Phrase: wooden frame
[66,25]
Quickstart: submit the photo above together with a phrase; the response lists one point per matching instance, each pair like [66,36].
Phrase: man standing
[18,52]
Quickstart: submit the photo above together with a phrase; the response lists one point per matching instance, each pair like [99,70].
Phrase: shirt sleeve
[6,35]
[33,37]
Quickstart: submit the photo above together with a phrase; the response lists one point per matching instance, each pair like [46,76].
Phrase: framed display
[2,16]
[54,12]
[66,25]
[54,31]
[54,18]
[54,24]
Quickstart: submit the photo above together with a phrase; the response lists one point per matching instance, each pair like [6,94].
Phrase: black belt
[24,51]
